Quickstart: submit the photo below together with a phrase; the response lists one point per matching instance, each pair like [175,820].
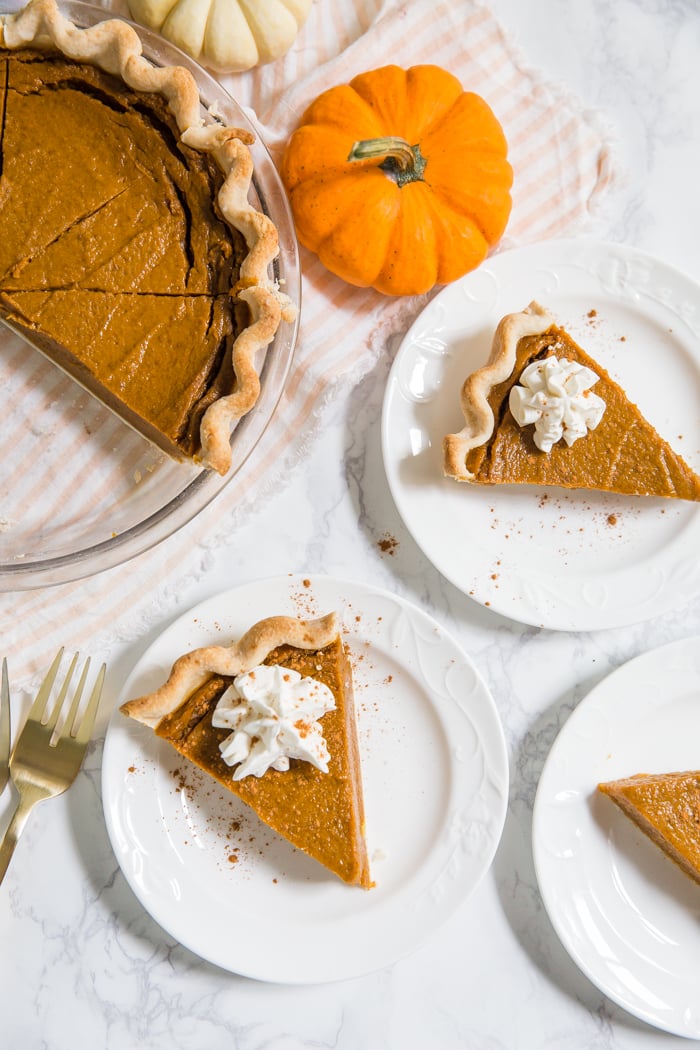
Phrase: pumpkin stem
[402,162]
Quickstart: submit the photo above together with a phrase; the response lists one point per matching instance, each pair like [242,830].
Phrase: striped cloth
[563,170]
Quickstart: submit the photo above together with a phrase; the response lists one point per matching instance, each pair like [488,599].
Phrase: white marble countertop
[84,965]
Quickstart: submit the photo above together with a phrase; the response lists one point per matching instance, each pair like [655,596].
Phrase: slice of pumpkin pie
[543,412]
[666,807]
[271,718]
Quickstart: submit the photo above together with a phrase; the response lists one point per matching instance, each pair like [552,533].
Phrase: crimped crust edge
[193,669]
[479,421]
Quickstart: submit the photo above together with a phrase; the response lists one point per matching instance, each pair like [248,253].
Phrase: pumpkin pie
[666,807]
[543,412]
[320,811]
[130,254]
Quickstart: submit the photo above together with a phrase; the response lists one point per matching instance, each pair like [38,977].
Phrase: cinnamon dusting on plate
[388,544]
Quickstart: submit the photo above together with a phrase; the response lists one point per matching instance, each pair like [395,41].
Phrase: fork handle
[27,801]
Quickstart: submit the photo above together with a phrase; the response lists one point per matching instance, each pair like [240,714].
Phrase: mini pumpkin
[228,36]
[399,180]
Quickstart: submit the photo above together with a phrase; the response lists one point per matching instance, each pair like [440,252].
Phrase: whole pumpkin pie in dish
[666,807]
[543,412]
[130,253]
[271,718]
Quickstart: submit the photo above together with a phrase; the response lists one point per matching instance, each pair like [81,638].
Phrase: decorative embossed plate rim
[626,914]
[551,558]
[435,772]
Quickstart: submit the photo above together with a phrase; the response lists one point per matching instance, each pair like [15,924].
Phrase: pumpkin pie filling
[142,376]
[115,261]
[321,813]
[130,254]
[94,174]
[666,807]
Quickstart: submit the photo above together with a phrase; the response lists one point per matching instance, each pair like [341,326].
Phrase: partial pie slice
[621,453]
[130,253]
[167,412]
[666,807]
[321,813]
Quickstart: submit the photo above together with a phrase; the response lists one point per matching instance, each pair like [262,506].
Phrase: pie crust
[622,454]
[114,47]
[666,807]
[320,813]
[478,414]
[192,670]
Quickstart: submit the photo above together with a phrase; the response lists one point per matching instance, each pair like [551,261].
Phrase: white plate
[626,914]
[435,774]
[548,557]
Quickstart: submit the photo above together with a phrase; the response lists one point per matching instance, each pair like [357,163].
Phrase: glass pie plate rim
[193,489]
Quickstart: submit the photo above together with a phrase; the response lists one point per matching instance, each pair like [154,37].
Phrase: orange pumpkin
[399,180]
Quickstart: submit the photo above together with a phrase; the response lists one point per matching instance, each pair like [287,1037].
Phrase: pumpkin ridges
[408,101]
[187,22]
[273,25]
[463,245]
[321,210]
[224,22]
[431,94]
[317,151]
[482,195]
[486,206]
[342,107]
[226,35]
[412,233]
[471,126]
[360,261]
[318,205]
[385,97]
[471,167]
[470,174]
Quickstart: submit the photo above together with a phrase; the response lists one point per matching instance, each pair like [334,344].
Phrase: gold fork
[44,761]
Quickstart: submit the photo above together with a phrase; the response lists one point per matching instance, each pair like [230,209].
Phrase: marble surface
[82,963]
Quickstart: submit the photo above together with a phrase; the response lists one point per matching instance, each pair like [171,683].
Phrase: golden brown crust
[479,421]
[193,669]
[115,47]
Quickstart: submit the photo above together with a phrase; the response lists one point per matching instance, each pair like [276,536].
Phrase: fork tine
[84,730]
[53,719]
[37,709]
[69,723]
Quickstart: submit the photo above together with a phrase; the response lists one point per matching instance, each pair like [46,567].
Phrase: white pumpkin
[226,35]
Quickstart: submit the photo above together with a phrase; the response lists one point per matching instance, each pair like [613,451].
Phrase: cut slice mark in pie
[121,215]
[666,807]
[138,259]
[621,453]
[161,333]
[321,813]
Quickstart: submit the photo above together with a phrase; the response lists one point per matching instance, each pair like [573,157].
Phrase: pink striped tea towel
[563,169]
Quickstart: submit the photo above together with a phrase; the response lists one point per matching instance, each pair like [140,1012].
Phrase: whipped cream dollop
[273,713]
[555,395]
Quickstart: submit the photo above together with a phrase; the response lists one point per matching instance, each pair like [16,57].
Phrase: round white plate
[549,557]
[626,914]
[435,776]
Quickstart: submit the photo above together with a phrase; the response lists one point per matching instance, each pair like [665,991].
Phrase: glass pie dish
[80,491]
